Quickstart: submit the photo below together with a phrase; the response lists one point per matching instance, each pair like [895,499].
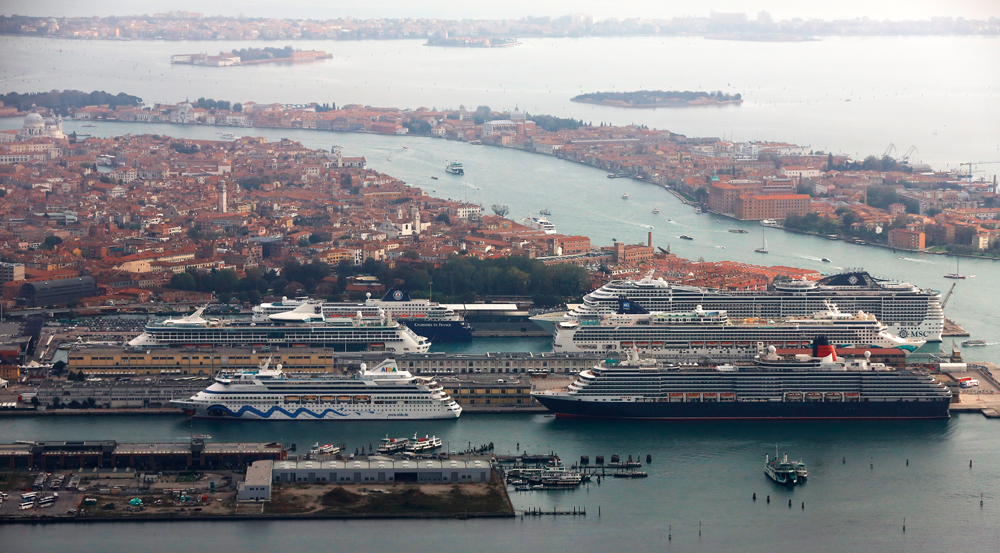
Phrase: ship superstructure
[304,325]
[820,386]
[429,319]
[713,333]
[906,310]
[382,392]
[539,223]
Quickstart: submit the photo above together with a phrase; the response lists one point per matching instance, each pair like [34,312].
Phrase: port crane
[889,150]
[971,163]
[909,152]
[947,296]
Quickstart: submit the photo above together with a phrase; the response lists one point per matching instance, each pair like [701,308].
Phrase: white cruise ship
[429,319]
[906,310]
[712,333]
[539,223]
[384,392]
[303,326]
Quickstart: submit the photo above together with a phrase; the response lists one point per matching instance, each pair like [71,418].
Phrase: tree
[183,281]
[238,107]
[58,367]
[194,233]
[303,242]
[444,218]
[701,194]
[51,242]
[501,210]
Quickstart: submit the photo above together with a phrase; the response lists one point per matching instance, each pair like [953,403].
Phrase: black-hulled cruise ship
[429,319]
[906,311]
[820,386]
[303,326]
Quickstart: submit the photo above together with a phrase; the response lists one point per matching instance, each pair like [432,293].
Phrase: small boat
[686,237]
[625,196]
[783,471]
[89,126]
[392,445]
[228,136]
[763,248]
[825,260]
[455,168]
[328,449]
[83,135]
[423,444]
[738,230]
[406,147]
[433,177]
[544,212]
[656,211]
[957,275]
[769,223]
[973,343]
[202,436]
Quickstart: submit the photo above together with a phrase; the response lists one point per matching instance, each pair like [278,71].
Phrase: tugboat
[392,445]
[455,168]
[784,471]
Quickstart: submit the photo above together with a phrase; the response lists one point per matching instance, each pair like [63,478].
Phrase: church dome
[34,120]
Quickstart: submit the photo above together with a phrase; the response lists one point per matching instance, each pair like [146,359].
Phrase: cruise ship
[381,393]
[539,223]
[303,326]
[429,319]
[820,386]
[906,311]
[712,333]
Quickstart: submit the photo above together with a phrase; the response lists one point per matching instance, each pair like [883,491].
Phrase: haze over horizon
[515,9]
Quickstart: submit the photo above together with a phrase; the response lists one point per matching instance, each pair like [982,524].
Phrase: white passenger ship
[539,223]
[703,332]
[303,326]
[384,392]
[906,310]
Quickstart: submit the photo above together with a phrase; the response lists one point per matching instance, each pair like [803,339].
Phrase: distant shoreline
[652,99]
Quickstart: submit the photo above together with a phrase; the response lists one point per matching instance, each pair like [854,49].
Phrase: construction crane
[971,163]
[947,296]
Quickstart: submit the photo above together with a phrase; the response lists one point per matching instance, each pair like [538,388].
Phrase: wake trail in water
[916,260]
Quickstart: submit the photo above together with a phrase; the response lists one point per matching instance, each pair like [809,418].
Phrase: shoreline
[68,519]
[665,106]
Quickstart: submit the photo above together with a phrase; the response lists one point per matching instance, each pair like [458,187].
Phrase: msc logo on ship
[397,295]
[627,305]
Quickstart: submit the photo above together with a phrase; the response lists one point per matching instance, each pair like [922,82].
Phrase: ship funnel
[822,348]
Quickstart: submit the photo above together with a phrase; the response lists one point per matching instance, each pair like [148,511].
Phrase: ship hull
[317,413]
[774,410]
[440,331]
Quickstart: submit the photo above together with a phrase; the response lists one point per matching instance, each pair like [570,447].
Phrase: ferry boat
[228,136]
[455,168]
[303,325]
[906,310]
[430,319]
[738,230]
[770,223]
[539,223]
[328,449]
[380,393]
[389,445]
[784,471]
[973,343]
[851,389]
[713,333]
[426,443]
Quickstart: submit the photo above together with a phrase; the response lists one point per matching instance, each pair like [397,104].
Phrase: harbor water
[865,477]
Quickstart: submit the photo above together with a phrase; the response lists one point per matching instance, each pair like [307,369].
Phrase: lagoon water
[852,95]
[935,93]
[703,472]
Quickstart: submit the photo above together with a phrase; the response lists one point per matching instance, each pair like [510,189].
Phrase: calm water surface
[705,471]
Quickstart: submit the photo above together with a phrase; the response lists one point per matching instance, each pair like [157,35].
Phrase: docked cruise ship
[907,311]
[384,392]
[712,333]
[303,326]
[820,386]
[539,223]
[429,319]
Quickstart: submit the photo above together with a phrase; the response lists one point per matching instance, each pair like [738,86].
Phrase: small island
[472,42]
[659,99]
[251,56]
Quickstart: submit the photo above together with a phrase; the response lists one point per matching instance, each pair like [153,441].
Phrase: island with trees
[645,99]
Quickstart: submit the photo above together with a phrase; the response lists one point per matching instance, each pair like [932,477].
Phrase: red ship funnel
[822,348]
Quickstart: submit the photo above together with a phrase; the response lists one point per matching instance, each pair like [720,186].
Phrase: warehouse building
[257,486]
[56,292]
[381,469]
